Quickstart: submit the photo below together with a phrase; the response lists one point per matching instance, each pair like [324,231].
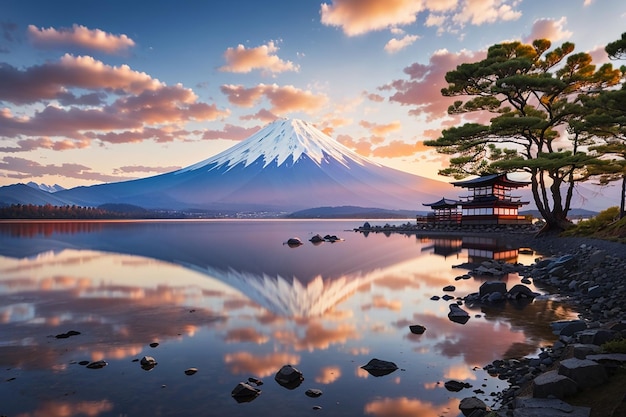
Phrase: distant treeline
[48,211]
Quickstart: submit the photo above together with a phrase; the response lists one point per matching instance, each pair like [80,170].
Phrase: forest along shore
[589,275]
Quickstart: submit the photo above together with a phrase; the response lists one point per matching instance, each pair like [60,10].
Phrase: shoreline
[592,281]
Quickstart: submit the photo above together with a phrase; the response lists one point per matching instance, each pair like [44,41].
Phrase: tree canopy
[531,96]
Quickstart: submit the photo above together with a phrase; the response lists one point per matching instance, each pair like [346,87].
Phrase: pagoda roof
[444,202]
[492,179]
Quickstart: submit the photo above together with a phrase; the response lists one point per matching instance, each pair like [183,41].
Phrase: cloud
[79,36]
[328,375]
[356,17]
[24,168]
[246,363]
[230,132]
[242,60]
[52,79]
[551,29]
[263,115]
[395,45]
[405,407]
[121,105]
[478,12]
[283,99]
[142,168]
[381,129]
[423,88]
[8,30]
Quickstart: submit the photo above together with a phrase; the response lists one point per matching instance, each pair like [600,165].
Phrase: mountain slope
[286,166]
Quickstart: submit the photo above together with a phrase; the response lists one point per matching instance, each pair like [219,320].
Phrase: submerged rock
[417,329]
[457,314]
[378,367]
[313,392]
[97,364]
[294,242]
[289,377]
[244,393]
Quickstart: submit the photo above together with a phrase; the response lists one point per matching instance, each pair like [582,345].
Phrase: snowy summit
[283,141]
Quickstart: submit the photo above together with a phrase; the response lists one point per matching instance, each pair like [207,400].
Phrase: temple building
[444,211]
[489,201]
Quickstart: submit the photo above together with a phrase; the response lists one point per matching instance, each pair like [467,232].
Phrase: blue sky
[95,92]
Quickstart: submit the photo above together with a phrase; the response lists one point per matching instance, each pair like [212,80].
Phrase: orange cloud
[381,129]
[551,29]
[138,101]
[242,60]
[378,301]
[79,36]
[396,45]
[478,12]
[398,148]
[423,89]
[284,99]
[319,338]
[356,17]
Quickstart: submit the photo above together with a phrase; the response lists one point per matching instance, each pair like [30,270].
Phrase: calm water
[230,299]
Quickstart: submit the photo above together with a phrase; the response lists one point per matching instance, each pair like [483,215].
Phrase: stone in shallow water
[378,367]
[417,329]
[289,377]
[313,392]
[97,364]
[191,371]
[147,363]
[244,393]
[456,386]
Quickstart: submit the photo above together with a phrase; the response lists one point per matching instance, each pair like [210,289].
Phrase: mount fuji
[286,166]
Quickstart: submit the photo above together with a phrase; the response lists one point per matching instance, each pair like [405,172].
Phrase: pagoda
[489,201]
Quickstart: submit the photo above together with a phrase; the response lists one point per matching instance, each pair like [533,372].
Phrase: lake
[232,300]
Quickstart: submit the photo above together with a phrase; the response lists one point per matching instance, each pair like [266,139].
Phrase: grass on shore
[606,225]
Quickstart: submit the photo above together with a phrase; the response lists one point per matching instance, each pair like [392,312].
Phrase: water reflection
[229,299]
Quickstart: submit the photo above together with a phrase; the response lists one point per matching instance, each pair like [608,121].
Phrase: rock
[244,392]
[191,371]
[457,314]
[97,364]
[581,350]
[294,242]
[378,367]
[417,329]
[447,297]
[316,239]
[456,386]
[147,363]
[154,344]
[449,288]
[543,407]
[470,404]
[551,384]
[289,377]
[570,327]
[586,373]
[521,291]
[68,334]
[489,287]
[366,226]
[313,392]
[331,239]
[435,297]
[255,381]
[317,407]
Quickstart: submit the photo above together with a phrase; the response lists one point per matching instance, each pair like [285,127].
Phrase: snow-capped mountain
[286,166]
[45,187]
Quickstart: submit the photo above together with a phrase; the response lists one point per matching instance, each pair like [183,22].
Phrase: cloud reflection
[408,407]
[246,363]
[70,409]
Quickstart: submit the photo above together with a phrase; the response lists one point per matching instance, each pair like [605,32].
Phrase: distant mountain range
[287,166]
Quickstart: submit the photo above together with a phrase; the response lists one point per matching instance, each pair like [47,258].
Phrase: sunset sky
[102,91]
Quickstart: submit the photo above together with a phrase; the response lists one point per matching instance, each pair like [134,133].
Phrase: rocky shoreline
[589,274]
